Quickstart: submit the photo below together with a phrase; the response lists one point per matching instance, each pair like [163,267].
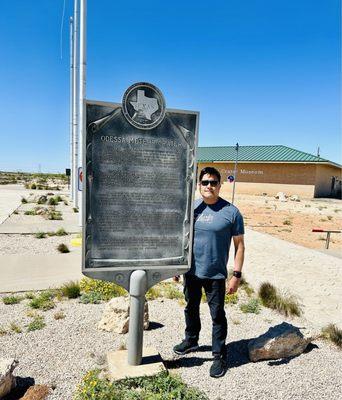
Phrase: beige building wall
[282,173]
[324,175]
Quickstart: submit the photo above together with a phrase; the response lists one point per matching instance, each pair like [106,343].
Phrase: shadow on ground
[237,356]
[22,385]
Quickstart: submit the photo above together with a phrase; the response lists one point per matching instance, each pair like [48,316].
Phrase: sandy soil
[291,220]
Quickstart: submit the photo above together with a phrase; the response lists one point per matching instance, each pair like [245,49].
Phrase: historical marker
[139,182]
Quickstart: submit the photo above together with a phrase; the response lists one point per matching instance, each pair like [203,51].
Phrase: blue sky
[259,71]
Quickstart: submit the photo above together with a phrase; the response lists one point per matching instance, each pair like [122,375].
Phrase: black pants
[215,292]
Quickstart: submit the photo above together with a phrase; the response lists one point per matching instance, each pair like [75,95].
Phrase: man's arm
[239,245]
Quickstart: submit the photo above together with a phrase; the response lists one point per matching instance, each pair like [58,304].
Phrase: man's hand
[232,285]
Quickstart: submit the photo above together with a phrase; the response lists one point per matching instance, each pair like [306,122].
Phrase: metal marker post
[137,291]
[235,170]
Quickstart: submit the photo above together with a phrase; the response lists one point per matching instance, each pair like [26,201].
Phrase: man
[216,221]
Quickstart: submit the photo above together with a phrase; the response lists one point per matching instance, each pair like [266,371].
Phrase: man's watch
[237,274]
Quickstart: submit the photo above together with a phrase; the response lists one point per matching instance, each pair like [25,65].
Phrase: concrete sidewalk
[26,273]
[10,199]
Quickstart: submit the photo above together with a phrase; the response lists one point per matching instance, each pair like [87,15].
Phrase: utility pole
[82,92]
[235,170]
[72,161]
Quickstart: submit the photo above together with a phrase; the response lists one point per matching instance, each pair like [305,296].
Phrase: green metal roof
[275,153]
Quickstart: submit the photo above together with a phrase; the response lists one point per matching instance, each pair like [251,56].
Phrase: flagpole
[75,104]
[82,92]
[72,161]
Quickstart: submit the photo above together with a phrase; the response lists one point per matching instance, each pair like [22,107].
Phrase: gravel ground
[65,349]
[30,245]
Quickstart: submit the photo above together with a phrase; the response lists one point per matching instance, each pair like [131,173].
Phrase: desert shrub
[287,222]
[171,291]
[15,327]
[153,293]
[231,298]
[63,248]
[37,323]
[52,201]
[40,235]
[71,290]
[59,315]
[334,334]
[60,232]
[106,290]
[54,215]
[58,198]
[284,303]
[33,186]
[44,301]
[30,295]
[30,212]
[91,298]
[163,386]
[252,306]
[9,300]
[3,331]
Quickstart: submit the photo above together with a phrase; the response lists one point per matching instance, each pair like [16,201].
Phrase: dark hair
[209,171]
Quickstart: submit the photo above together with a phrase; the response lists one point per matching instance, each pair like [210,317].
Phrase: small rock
[294,197]
[42,199]
[281,341]
[7,380]
[36,392]
[115,317]
[281,196]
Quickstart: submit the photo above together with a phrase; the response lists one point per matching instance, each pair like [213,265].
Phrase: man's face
[209,188]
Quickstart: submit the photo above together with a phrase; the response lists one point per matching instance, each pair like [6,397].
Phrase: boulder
[281,341]
[36,392]
[115,316]
[7,380]
[281,196]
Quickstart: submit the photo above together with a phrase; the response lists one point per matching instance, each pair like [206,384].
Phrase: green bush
[71,290]
[44,301]
[40,235]
[106,290]
[231,298]
[163,386]
[61,232]
[9,300]
[52,201]
[30,212]
[37,323]
[284,304]
[54,215]
[63,248]
[90,298]
[171,291]
[253,306]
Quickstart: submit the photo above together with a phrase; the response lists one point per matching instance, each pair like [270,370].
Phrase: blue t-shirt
[214,226]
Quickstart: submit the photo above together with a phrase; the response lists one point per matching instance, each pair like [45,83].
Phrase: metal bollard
[137,291]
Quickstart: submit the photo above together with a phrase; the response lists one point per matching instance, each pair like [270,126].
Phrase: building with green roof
[274,164]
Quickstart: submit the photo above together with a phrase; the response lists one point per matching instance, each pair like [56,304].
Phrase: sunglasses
[212,183]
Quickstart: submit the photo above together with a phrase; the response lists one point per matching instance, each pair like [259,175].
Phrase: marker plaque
[139,182]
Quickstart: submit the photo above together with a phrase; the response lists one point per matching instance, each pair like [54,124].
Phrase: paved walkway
[10,199]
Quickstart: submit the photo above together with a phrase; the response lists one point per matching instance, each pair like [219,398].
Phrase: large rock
[115,317]
[281,341]
[7,380]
